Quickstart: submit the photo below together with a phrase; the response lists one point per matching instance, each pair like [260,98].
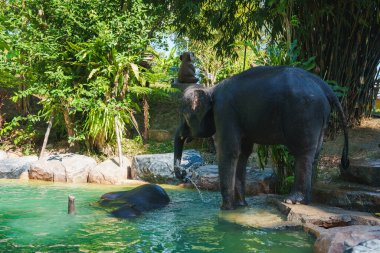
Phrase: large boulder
[346,239]
[3,155]
[70,168]
[257,181]
[14,167]
[348,196]
[325,216]
[365,171]
[158,168]
[109,172]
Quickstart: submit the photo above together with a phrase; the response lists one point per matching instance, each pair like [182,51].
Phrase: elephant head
[197,120]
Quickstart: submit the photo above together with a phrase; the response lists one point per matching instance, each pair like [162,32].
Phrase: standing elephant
[264,105]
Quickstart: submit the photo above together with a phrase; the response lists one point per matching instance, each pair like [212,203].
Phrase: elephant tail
[344,162]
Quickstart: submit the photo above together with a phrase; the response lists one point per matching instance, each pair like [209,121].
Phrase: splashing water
[199,191]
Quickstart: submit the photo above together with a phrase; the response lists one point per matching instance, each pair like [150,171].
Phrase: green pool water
[33,218]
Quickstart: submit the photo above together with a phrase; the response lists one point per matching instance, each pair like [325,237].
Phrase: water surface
[33,218]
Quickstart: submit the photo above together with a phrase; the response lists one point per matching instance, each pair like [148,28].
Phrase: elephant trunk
[179,141]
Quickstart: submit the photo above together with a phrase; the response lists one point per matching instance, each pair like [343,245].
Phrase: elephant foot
[180,173]
[296,198]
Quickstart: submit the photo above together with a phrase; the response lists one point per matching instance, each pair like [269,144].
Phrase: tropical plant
[81,60]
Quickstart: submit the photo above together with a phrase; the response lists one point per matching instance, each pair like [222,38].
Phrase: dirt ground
[364,142]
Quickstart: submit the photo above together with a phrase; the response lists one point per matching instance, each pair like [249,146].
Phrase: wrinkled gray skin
[133,203]
[265,105]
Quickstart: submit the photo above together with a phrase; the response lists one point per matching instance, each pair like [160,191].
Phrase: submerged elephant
[134,202]
[264,105]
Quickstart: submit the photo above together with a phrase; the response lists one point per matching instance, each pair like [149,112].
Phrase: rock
[109,172]
[346,239]
[158,168]
[14,167]
[365,171]
[348,196]
[206,177]
[257,181]
[70,168]
[159,135]
[258,214]
[370,246]
[3,155]
[24,176]
[325,216]
[260,181]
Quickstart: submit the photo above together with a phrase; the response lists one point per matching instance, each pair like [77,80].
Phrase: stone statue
[186,73]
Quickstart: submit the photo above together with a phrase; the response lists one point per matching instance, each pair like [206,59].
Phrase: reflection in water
[33,217]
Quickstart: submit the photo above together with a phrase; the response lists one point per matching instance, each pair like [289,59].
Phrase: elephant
[186,72]
[134,202]
[263,105]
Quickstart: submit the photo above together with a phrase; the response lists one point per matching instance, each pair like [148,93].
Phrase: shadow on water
[33,217]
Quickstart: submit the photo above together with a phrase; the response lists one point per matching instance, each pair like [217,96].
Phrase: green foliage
[284,164]
[340,91]
[81,59]
[21,131]
[270,54]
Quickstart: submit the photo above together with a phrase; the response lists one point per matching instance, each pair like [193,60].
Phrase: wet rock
[346,239]
[3,155]
[348,196]
[158,168]
[109,172]
[325,216]
[258,214]
[365,171]
[14,167]
[70,168]
[257,181]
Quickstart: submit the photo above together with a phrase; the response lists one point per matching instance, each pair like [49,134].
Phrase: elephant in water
[134,202]
[264,105]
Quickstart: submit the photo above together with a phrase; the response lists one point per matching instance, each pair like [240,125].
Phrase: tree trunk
[118,139]
[69,127]
[146,118]
[1,112]
[46,137]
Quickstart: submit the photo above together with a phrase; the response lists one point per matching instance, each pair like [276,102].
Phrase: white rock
[109,172]
[14,167]
[159,167]
[70,168]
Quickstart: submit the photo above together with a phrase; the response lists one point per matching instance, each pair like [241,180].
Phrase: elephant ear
[201,101]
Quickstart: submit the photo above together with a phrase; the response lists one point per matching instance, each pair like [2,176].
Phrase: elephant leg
[246,150]
[228,151]
[301,192]
[316,156]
